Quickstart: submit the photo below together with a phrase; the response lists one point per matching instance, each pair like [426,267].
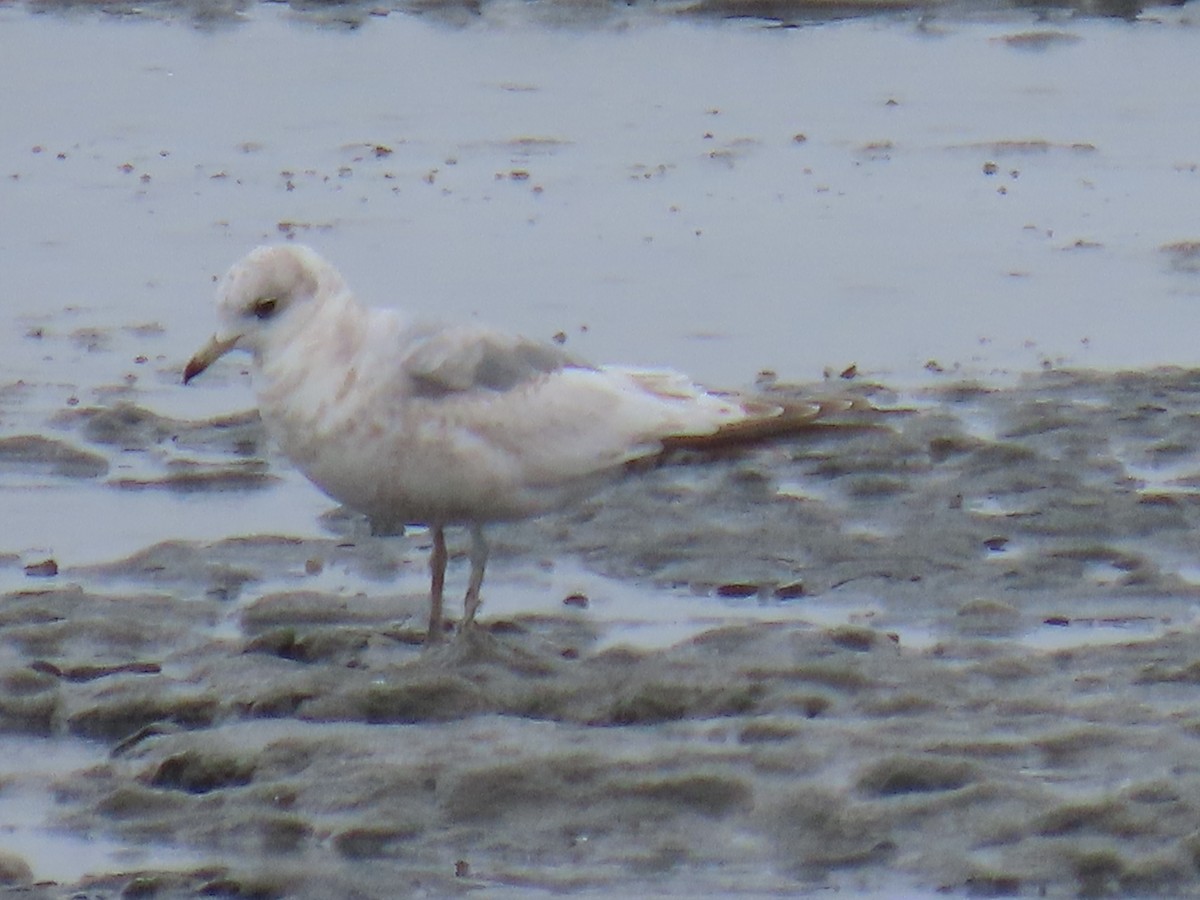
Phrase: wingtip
[772,420]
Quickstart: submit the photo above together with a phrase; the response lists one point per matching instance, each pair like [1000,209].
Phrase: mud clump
[31,454]
[197,773]
[114,717]
[905,775]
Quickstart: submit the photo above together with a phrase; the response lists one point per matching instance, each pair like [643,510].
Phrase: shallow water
[945,646]
[642,178]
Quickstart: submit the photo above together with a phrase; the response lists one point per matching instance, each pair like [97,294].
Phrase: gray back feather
[458,359]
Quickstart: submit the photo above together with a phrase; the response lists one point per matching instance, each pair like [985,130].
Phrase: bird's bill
[216,347]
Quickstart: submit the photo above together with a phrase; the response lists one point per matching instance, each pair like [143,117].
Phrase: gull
[411,421]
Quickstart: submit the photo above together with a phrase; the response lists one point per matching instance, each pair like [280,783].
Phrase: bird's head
[272,287]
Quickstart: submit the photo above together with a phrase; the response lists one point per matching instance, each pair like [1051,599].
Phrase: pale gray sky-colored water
[667,206]
[645,190]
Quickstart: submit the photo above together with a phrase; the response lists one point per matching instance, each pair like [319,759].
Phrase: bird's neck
[306,366]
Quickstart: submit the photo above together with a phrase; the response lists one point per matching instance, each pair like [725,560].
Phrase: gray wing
[462,358]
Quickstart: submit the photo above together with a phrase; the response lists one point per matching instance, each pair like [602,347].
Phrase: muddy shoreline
[947,646]
[969,669]
[351,14]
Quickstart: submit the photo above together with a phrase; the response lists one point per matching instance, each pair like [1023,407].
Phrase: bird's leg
[479,555]
[437,568]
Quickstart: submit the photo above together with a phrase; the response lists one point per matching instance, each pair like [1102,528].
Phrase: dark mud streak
[30,454]
[355,14]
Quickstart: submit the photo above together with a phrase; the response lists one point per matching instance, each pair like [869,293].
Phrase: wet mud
[354,13]
[971,671]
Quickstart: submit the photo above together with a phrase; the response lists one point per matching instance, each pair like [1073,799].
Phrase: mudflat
[947,642]
[943,644]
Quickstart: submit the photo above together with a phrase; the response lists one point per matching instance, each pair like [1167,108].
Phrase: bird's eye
[265,308]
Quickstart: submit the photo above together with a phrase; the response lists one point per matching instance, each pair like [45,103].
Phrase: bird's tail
[768,420]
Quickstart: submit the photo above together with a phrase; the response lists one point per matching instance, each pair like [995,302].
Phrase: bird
[415,421]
